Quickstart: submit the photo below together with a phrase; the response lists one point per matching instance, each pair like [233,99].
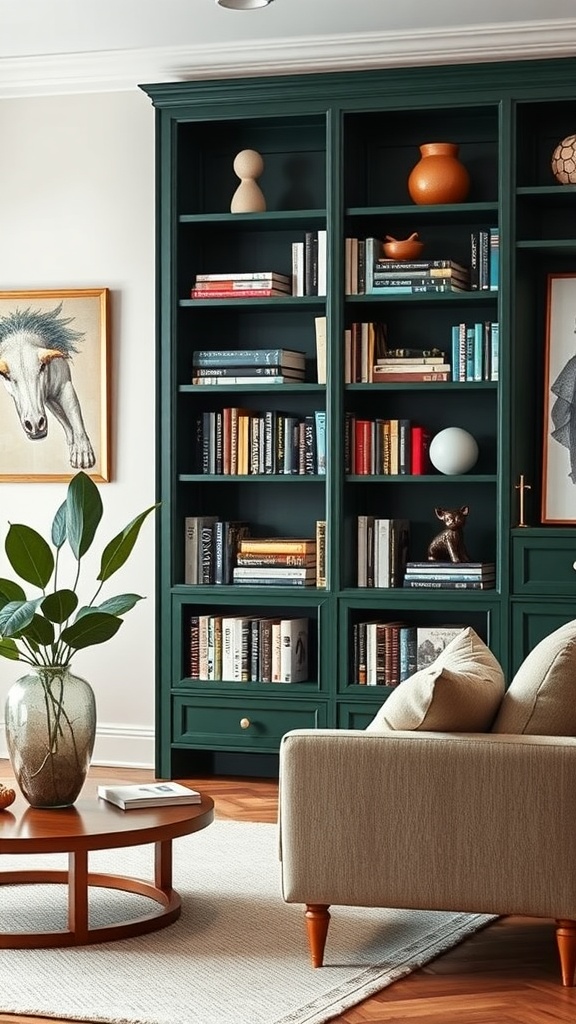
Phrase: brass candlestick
[521,487]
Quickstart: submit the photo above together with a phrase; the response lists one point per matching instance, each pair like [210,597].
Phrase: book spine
[248,356]
[293,650]
[320,553]
[484,260]
[288,571]
[494,349]
[298,268]
[194,647]
[320,431]
[239,293]
[310,271]
[407,378]
[255,546]
[451,577]
[320,332]
[266,650]
[275,370]
[474,260]
[407,265]
[191,550]
[218,539]
[420,443]
[322,255]
[494,271]
[277,561]
[249,284]
[207,555]
[274,581]
[203,646]
[250,275]
[412,286]
[447,584]
[276,649]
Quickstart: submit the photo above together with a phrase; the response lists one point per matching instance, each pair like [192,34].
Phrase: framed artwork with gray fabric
[54,367]
[559,448]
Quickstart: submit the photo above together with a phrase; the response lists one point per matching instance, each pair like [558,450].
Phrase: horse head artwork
[36,350]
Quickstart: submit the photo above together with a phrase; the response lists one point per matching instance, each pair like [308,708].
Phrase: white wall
[77,211]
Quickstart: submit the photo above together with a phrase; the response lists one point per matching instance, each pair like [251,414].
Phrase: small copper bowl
[403,249]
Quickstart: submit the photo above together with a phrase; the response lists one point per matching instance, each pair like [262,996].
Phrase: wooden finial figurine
[448,545]
[248,197]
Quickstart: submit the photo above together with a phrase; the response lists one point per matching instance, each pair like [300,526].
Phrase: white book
[264,572]
[297,268]
[151,794]
[228,630]
[322,261]
[382,545]
[293,650]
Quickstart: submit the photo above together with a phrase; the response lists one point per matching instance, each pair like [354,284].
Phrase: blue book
[494,271]
[250,357]
[494,349]
[478,351]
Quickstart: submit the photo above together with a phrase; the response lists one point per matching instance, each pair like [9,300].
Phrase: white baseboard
[117,746]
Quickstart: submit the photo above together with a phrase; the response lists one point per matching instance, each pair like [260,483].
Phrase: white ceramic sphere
[453,451]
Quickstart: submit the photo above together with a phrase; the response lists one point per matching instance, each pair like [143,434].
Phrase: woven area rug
[237,955]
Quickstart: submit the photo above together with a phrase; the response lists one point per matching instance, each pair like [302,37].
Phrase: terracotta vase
[439,176]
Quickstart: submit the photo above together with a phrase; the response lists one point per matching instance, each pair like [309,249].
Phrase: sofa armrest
[469,822]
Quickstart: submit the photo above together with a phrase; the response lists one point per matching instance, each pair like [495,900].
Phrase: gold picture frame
[559,447]
[54,364]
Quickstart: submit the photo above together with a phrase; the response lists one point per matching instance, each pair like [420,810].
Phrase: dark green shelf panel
[448,386]
[400,596]
[291,302]
[413,478]
[230,594]
[563,193]
[551,246]
[258,221]
[419,298]
[447,212]
[255,478]
[269,389]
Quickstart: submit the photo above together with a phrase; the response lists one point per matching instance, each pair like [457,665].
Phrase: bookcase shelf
[337,151]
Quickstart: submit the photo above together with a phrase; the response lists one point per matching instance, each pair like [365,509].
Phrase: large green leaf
[8,649]
[120,547]
[10,591]
[16,616]
[59,526]
[39,630]
[91,629]
[59,606]
[83,513]
[120,604]
[29,555]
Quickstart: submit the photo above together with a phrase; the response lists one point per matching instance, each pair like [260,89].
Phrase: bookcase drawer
[545,566]
[243,723]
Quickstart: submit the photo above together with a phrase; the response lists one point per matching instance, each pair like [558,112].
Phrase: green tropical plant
[46,630]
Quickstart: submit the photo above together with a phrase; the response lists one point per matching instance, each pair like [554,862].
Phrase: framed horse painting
[54,402]
[559,449]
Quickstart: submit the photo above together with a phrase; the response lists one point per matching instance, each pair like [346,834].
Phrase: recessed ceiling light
[243,5]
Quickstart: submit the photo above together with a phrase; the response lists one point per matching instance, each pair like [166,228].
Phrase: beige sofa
[471,821]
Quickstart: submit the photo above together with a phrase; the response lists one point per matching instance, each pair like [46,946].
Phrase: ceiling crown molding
[119,70]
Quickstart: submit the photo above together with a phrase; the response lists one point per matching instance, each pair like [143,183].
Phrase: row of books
[382,546]
[484,259]
[368,271]
[432,575]
[214,549]
[386,447]
[388,653]
[232,285]
[309,264]
[236,441]
[245,648]
[475,351]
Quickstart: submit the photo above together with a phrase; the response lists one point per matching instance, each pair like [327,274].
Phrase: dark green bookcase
[338,149]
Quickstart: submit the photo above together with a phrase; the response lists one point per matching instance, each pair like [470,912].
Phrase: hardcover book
[151,794]
[293,650]
[431,641]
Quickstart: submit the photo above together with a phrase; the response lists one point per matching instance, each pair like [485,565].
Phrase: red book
[363,447]
[419,444]
[238,293]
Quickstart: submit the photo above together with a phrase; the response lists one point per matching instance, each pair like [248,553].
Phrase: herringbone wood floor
[505,974]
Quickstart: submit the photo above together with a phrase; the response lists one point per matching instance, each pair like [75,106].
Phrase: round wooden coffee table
[95,824]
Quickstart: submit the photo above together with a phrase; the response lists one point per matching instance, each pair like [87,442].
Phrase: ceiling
[56,46]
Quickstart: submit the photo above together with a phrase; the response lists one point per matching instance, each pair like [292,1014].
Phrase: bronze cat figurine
[448,545]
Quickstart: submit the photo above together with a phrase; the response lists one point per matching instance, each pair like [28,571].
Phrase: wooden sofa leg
[566,940]
[317,921]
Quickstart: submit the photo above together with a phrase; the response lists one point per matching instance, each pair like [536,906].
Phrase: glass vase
[50,721]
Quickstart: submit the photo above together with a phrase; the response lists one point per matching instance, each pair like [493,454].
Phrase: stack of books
[276,561]
[407,277]
[450,575]
[248,366]
[412,368]
[253,285]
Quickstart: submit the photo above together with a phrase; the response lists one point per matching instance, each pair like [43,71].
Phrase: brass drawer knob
[244,723]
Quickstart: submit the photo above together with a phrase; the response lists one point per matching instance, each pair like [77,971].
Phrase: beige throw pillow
[460,692]
[540,700]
